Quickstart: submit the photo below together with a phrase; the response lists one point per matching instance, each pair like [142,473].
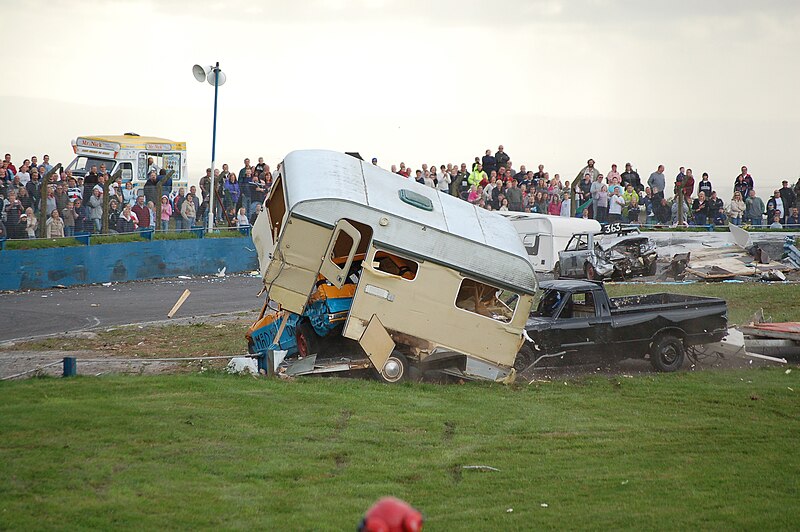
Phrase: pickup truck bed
[578,318]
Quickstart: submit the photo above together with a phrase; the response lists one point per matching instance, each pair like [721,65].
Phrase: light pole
[215,77]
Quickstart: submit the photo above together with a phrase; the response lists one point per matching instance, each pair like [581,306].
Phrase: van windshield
[83,164]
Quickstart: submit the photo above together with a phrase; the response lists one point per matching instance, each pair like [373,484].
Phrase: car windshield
[83,164]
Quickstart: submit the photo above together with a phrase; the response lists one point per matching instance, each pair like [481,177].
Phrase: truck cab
[130,154]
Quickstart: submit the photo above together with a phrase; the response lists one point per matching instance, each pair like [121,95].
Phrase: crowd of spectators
[492,182]
[77,205]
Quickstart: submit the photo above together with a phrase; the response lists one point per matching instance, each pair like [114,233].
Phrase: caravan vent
[415,200]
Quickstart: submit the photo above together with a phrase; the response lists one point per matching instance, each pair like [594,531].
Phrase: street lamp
[215,77]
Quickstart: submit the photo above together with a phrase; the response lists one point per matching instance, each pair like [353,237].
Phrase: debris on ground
[240,365]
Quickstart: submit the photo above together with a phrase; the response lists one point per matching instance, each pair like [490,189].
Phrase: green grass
[181,235]
[225,233]
[781,302]
[705,450]
[41,244]
[116,239]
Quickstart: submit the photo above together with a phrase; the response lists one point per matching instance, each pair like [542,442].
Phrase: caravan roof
[325,186]
[558,226]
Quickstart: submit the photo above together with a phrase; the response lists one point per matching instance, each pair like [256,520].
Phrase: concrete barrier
[130,261]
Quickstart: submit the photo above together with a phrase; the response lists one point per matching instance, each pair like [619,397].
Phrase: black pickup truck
[579,320]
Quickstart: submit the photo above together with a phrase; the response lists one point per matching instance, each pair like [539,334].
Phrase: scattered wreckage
[616,252]
[366,269]
[741,258]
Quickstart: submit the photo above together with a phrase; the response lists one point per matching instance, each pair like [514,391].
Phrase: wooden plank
[754,331]
[181,301]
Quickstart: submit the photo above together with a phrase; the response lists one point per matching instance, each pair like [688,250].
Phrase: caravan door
[304,252]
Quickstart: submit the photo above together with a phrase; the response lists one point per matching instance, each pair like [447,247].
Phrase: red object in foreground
[785,327]
[391,515]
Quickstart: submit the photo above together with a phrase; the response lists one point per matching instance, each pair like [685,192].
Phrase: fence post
[43,214]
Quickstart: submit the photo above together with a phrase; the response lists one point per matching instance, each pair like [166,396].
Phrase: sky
[711,85]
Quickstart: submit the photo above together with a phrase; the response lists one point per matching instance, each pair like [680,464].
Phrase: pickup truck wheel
[307,339]
[395,370]
[667,354]
[591,273]
[525,358]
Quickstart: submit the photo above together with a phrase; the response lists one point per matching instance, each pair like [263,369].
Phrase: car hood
[608,243]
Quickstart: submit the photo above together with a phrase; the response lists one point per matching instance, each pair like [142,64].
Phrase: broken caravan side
[327,210]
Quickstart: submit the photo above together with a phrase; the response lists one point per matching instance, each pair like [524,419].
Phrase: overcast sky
[709,84]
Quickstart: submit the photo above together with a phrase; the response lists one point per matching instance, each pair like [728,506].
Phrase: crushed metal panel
[377,343]
[302,366]
[262,238]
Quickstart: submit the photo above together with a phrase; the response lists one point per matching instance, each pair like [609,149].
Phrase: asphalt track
[56,311]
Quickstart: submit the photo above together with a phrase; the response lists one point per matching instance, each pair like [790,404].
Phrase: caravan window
[486,300]
[394,265]
[531,243]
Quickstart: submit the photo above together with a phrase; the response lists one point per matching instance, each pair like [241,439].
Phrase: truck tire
[395,370]
[591,273]
[308,340]
[667,353]
[525,358]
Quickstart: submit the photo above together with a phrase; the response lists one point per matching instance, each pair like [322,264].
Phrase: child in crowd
[152,209]
[241,218]
[69,219]
[166,212]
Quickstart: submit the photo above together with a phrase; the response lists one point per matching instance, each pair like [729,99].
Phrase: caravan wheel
[395,370]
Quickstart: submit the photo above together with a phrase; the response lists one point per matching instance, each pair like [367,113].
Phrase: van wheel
[591,273]
[557,271]
[667,353]
[307,339]
[396,369]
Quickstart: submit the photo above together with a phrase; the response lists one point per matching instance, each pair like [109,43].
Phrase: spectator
[473,195]
[13,212]
[754,209]
[747,178]
[69,219]
[151,167]
[128,194]
[254,216]
[126,224]
[797,188]
[61,197]
[776,221]
[716,209]
[24,173]
[489,162]
[788,198]
[736,208]
[657,181]
[688,184]
[24,198]
[113,214]
[514,196]
[46,163]
[177,204]
[662,212]
[679,215]
[188,211]
[445,180]
[243,171]
[741,187]
[166,212]
[615,204]
[429,181]
[205,184]
[775,205]
[95,206]
[634,209]
[89,181]
[241,218]
[700,209]
[34,188]
[245,188]
[554,207]
[597,186]
[32,223]
[631,177]
[477,175]
[614,173]
[142,213]
[54,227]
[502,159]
[3,232]
[793,219]
[705,185]
[150,188]
[601,201]
[151,209]
[82,224]
[232,193]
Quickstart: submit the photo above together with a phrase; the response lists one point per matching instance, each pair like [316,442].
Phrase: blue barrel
[70,367]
